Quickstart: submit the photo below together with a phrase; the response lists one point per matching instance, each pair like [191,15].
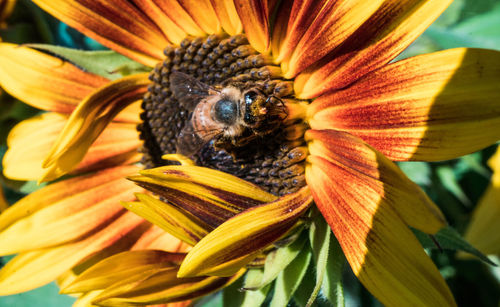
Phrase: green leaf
[254,298]
[232,294]
[332,287]
[306,287]
[290,278]
[449,181]
[449,238]
[107,63]
[418,172]
[253,279]
[279,259]
[319,236]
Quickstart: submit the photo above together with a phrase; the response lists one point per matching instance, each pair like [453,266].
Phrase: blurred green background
[454,185]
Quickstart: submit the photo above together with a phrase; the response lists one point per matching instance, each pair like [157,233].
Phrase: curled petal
[88,121]
[175,221]
[240,239]
[31,140]
[428,108]
[52,216]
[210,195]
[119,25]
[382,251]
[43,81]
[254,15]
[394,26]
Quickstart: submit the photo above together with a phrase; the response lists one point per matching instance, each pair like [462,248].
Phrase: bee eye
[250,97]
[225,111]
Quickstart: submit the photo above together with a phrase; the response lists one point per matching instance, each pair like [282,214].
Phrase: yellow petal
[43,81]
[254,15]
[383,253]
[163,288]
[36,268]
[88,121]
[428,108]
[121,26]
[210,195]
[121,266]
[30,141]
[394,26]
[228,17]
[179,223]
[483,231]
[66,219]
[157,238]
[239,240]
[55,192]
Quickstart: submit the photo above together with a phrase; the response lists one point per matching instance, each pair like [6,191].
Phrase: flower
[481,231]
[349,112]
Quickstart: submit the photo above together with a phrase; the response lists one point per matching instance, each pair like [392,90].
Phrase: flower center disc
[273,161]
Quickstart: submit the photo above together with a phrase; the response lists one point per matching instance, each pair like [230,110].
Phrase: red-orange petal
[43,81]
[394,26]
[431,107]
[153,9]
[380,175]
[382,251]
[317,27]
[119,25]
[254,15]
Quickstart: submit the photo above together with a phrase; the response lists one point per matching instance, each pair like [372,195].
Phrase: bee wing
[191,141]
[188,90]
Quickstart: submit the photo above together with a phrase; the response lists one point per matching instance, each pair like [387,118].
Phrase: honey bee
[230,115]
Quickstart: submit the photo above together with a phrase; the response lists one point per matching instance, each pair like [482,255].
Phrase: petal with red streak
[318,27]
[43,81]
[380,175]
[228,17]
[49,217]
[382,251]
[254,15]
[36,268]
[88,121]
[431,107]
[119,25]
[31,140]
[394,26]
[240,239]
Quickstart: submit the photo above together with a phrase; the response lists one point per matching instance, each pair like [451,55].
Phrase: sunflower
[334,114]
[481,232]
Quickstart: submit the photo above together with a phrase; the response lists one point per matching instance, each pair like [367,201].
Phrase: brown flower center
[271,156]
